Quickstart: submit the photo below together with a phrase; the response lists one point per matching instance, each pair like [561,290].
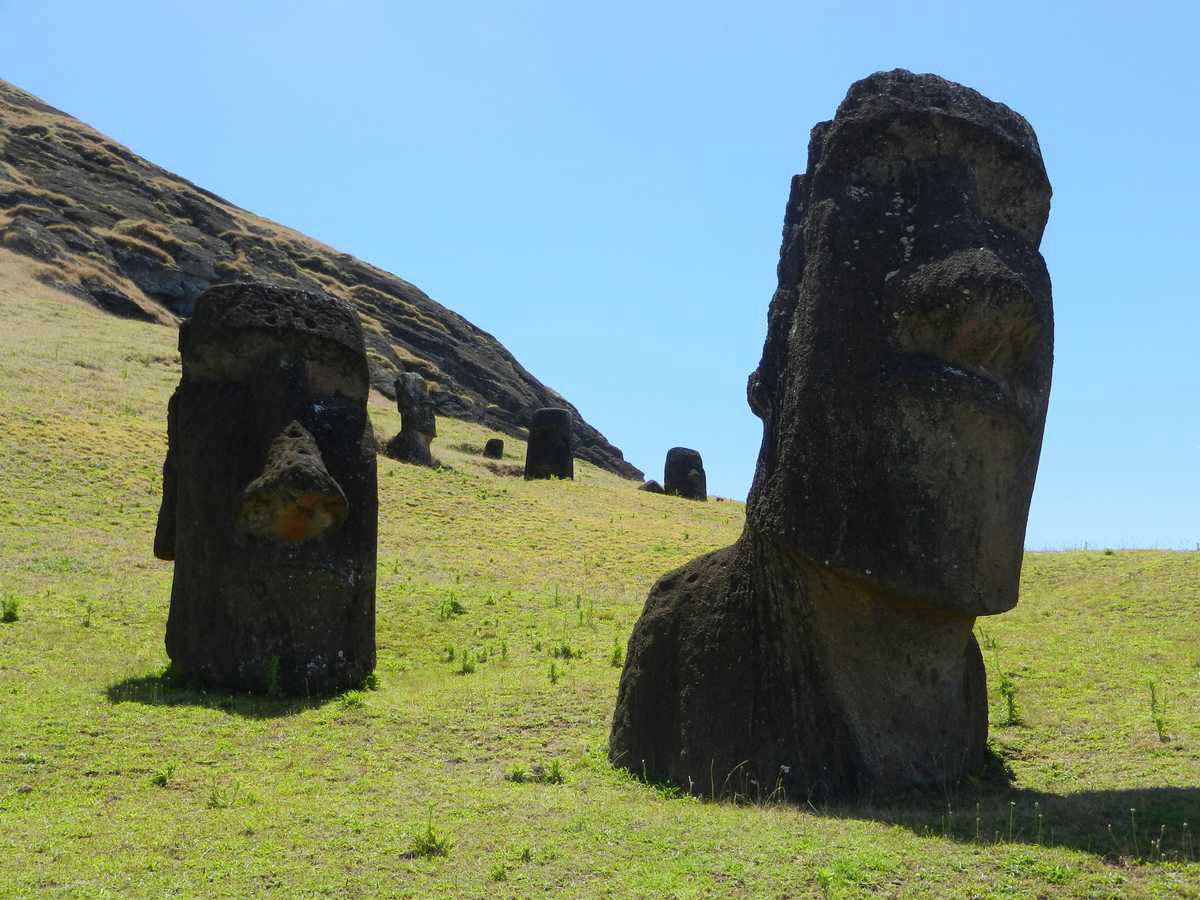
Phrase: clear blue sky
[601,186]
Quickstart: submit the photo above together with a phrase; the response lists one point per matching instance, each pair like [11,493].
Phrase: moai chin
[418,422]
[269,495]
[549,453]
[903,390]
[683,474]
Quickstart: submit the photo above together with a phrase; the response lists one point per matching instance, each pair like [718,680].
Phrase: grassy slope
[327,797]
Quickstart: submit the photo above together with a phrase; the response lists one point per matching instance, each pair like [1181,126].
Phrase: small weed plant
[618,654]
[429,843]
[450,607]
[10,609]
[271,677]
[467,664]
[1008,691]
[1158,711]
[163,776]
[551,773]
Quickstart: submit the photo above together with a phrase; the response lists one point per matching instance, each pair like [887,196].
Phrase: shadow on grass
[1121,826]
[163,690]
[1124,827]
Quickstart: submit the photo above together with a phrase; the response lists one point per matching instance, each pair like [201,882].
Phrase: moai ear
[164,532]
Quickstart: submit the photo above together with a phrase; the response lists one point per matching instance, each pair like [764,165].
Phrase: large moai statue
[683,474]
[549,453]
[418,422]
[269,495]
[903,390]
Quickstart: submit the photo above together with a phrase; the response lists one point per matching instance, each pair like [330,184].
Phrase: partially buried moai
[549,453]
[269,495]
[494,448]
[903,389]
[683,474]
[418,422]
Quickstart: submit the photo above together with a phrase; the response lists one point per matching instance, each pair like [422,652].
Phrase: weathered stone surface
[494,448]
[151,242]
[549,452]
[652,487]
[903,390]
[418,422]
[683,474]
[269,495]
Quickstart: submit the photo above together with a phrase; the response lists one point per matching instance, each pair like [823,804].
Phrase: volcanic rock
[269,495]
[903,390]
[418,424]
[548,453]
[683,474]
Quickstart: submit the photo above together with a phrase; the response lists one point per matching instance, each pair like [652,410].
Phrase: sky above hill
[601,186]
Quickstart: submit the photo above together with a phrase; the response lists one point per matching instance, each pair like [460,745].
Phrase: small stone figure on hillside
[269,495]
[903,390]
[418,422]
[549,451]
[651,487]
[494,449]
[683,474]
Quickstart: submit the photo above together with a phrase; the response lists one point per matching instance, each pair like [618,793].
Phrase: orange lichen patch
[307,517]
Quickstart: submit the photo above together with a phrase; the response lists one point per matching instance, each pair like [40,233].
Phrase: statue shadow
[163,690]
[1121,826]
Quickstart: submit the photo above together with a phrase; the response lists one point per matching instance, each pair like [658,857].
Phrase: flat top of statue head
[235,324]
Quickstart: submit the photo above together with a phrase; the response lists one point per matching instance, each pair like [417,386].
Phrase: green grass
[117,780]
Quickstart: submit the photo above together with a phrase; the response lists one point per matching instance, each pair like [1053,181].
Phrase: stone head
[269,502]
[549,452]
[906,371]
[416,406]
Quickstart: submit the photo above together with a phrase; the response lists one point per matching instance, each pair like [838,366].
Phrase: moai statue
[269,495]
[418,422]
[549,451]
[494,449]
[683,474]
[903,390]
[651,487]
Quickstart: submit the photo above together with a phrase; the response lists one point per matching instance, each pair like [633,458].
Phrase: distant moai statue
[269,495]
[651,487]
[683,474]
[494,449]
[418,422]
[549,451]
[903,389]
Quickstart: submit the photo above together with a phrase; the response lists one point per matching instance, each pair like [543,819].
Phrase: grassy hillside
[115,782]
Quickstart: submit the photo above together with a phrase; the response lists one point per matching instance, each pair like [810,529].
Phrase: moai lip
[903,389]
[549,452]
[269,495]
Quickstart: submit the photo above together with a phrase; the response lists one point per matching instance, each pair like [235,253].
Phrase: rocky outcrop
[274,583]
[140,242]
[903,390]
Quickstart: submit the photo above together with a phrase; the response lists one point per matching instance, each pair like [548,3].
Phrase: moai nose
[295,499]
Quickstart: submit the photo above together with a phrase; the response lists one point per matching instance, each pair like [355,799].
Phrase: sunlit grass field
[477,766]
